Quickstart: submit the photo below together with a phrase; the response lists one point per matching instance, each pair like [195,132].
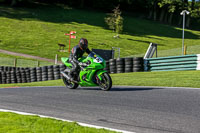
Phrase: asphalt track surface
[136,109]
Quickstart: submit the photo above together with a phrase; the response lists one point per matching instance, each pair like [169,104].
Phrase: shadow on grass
[138,40]
[147,42]
[64,14]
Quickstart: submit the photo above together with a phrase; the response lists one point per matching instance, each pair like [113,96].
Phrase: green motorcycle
[90,75]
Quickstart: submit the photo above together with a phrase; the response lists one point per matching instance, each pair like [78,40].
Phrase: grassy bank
[14,123]
[168,79]
[8,60]
[38,30]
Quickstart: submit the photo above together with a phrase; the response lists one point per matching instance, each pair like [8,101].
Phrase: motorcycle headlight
[98,60]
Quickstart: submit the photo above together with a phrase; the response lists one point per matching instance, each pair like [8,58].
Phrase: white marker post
[183,13]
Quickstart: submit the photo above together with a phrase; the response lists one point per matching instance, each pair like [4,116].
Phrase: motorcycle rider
[76,53]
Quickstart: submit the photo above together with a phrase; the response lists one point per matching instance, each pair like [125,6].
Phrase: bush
[115,20]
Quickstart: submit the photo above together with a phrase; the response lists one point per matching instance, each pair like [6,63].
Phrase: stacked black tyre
[128,65]
[44,73]
[112,66]
[33,74]
[50,73]
[138,64]
[62,68]
[8,77]
[0,77]
[56,71]
[18,76]
[120,64]
[28,74]
[1,68]
[5,68]
[3,77]
[107,68]
[39,74]
[13,69]
[13,77]
[23,75]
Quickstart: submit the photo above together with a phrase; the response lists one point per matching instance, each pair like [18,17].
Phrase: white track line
[82,124]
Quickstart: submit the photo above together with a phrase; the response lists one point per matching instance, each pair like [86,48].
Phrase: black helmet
[83,43]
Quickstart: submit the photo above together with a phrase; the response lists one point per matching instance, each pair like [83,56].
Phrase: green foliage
[16,2]
[195,10]
[119,24]
[110,21]
[171,4]
[115,20]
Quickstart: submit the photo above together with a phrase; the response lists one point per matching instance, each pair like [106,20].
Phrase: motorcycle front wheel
[106,82]
[69,84]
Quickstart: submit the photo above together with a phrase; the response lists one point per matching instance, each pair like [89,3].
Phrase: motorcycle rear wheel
[106,82]
[69,84]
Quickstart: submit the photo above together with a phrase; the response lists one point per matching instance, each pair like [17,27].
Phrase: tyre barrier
[112,65]
[107,68]
[120,62]
[125,65]
[10,75]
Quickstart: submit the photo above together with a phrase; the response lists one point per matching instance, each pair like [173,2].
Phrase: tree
[152,6]
[15,2]
[119,24]
[194,9]
[115,20]
[171,6]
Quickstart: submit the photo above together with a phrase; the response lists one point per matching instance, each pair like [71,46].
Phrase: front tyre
[69,84]
[106,82]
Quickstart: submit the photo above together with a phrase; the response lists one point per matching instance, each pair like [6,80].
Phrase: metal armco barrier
[173,63]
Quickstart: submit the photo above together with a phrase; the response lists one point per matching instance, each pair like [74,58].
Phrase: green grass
[39,29]
[175,51]
[14,123]
[43,83]
[167,79]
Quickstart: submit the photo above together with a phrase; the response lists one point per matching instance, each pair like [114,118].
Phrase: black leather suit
[76,53]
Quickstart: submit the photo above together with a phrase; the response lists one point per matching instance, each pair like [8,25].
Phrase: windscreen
[92,55]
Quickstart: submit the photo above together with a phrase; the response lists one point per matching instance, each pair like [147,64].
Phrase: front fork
[99,78]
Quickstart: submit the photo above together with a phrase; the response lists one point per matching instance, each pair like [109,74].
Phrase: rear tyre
[69,84]
[106,82]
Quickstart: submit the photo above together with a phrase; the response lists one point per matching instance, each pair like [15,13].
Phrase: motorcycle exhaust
[68,78]
[65,75]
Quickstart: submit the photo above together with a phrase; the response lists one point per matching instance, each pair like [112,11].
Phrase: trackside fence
[15,62]
[173,63]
